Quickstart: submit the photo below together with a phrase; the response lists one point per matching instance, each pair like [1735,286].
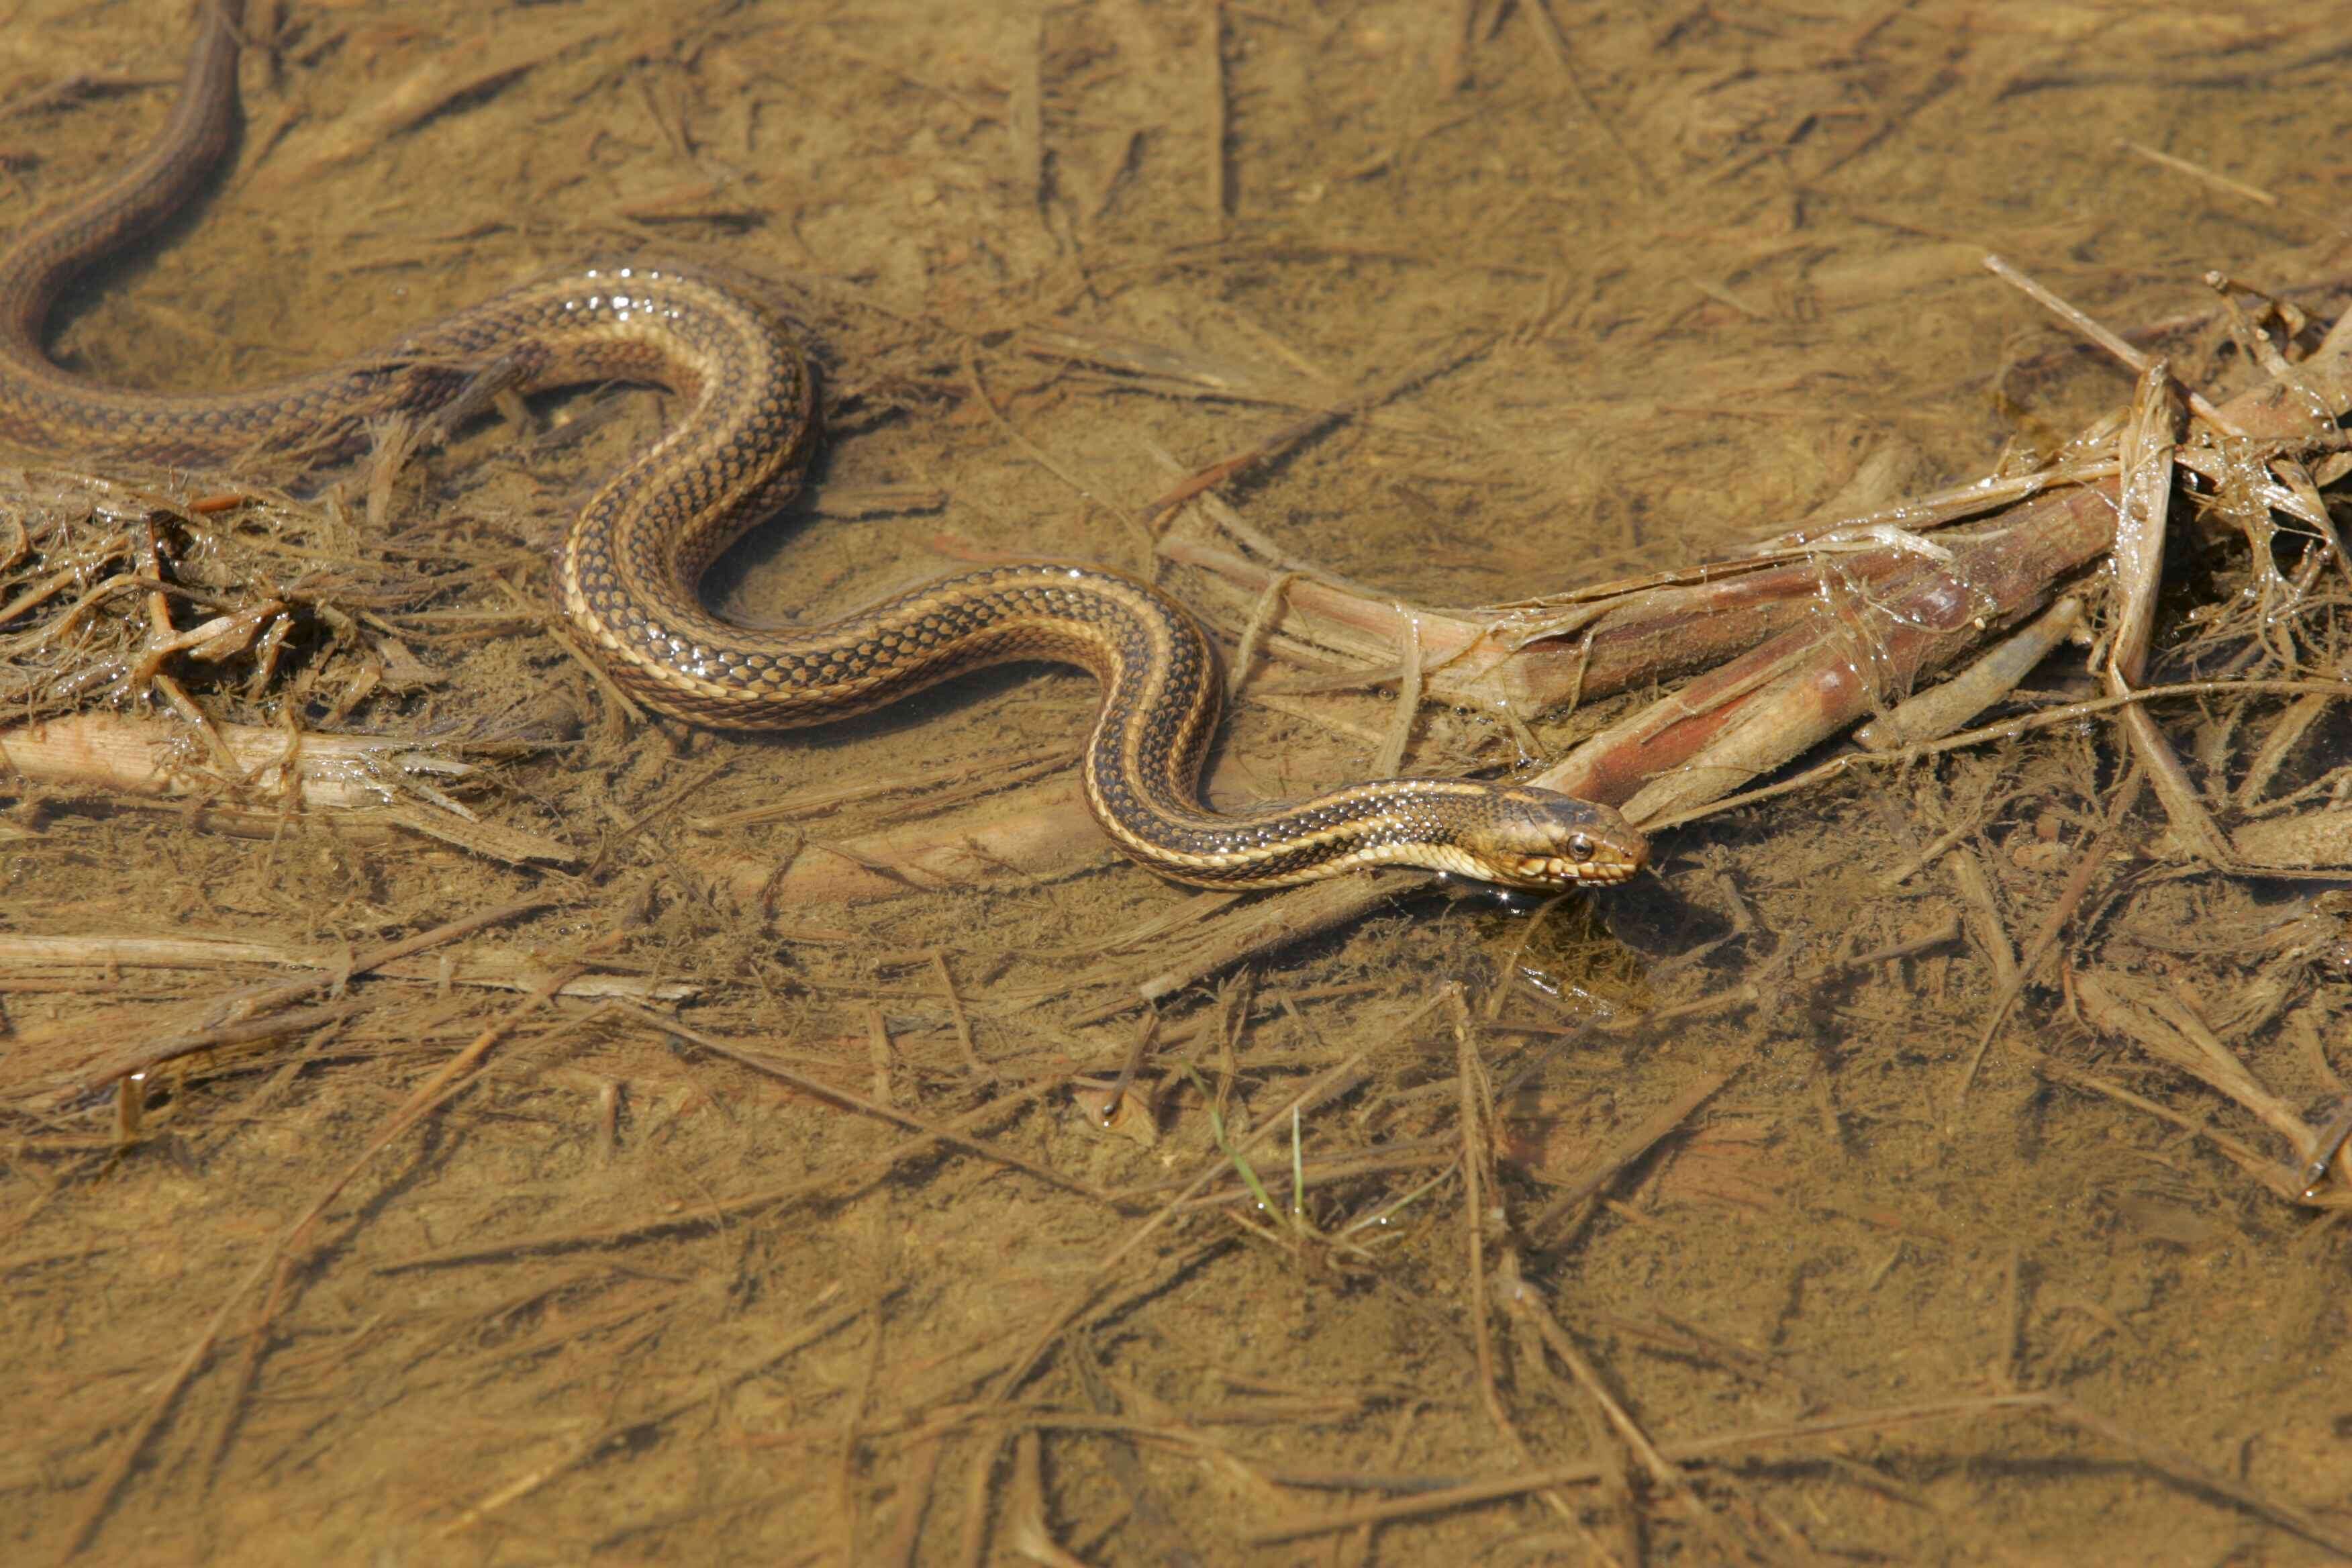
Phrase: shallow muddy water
[724,1186]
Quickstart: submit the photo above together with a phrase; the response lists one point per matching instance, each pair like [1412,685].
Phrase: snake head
[1537,839]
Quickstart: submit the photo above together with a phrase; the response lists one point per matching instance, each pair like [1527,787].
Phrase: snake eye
[1580,848]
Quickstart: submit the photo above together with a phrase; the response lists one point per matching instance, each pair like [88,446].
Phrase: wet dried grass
[504,1113]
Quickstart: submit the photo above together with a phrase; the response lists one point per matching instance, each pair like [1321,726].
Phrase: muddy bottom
[610,1141]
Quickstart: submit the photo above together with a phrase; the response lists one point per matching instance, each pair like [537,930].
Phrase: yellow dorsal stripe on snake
[631,562]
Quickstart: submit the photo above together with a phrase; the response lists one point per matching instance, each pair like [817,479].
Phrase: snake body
[631,561]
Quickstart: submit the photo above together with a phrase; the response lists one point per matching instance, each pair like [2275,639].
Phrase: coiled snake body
[631,561]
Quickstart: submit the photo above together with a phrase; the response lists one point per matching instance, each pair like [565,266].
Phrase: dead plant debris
[442,1107]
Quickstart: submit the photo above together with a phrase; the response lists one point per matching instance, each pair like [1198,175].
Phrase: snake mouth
[1553,872]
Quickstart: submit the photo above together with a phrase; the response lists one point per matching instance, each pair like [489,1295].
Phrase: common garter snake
[630,562]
